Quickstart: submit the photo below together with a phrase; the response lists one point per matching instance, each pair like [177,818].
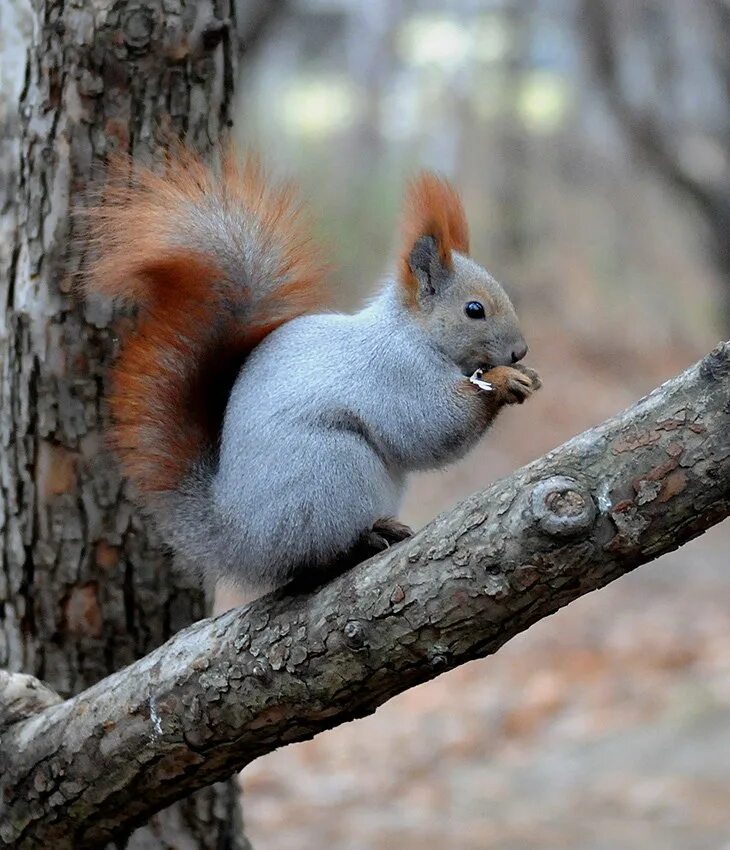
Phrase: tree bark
[85,586]
[230,689]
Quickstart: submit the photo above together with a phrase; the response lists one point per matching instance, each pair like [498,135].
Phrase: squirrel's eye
[474,310]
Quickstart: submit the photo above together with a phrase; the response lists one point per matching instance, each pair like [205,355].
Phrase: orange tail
[214,260]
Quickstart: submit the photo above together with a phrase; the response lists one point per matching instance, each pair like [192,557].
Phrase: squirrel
[268,437]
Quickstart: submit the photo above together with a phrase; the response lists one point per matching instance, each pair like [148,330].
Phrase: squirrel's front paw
[531,374]
[513,384]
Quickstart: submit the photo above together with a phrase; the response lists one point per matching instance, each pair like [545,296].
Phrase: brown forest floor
[605,726]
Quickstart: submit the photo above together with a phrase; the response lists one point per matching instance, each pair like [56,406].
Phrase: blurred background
[589,139]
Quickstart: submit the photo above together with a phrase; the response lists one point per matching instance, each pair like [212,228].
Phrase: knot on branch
[716,364]
[354,632]
[137,27]
[438,657]
[22,695]
[562,507]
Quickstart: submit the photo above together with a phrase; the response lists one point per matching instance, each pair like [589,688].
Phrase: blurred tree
[514,191]
[665,70]
[85,586]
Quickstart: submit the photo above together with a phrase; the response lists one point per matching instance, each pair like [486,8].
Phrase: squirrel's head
[462,307]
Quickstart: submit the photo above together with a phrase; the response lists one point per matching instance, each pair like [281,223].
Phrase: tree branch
[227,690]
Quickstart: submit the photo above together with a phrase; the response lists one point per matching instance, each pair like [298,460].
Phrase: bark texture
[227,690]
[85,587]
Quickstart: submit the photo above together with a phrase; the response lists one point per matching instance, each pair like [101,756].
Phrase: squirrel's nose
[518,352]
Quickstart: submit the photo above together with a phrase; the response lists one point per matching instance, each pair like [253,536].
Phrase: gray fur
[328,416]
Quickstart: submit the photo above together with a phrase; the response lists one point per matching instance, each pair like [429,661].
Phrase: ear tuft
[432,208]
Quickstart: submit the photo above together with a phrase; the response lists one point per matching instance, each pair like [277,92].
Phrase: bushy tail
[214,260]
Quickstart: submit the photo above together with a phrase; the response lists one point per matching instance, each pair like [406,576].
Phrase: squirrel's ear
[427,270]
[434,225]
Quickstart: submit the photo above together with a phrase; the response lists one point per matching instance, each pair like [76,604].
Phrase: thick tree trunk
[85,587]
[228,690]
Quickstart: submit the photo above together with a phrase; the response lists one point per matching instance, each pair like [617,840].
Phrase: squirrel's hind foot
[388,531]
[385,532]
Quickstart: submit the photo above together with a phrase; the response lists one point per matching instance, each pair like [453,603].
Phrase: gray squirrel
[271,439]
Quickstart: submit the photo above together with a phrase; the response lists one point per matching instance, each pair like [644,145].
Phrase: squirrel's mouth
[474,366]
